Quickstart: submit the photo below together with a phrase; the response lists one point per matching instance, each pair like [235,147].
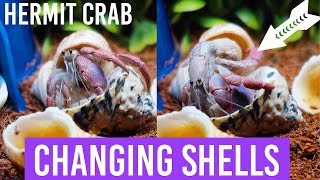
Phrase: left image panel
[75,70]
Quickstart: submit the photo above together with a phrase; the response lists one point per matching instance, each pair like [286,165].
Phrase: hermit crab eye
[63,53]
[70,51]
[191,82]
[223,55]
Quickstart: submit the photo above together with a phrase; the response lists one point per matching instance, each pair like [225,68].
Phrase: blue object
[19,57]
[167,52]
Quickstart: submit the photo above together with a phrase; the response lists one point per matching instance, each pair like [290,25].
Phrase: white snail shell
[39,86]
[281,108]
[306,88]
[230,31]
[50,123]
[189,122]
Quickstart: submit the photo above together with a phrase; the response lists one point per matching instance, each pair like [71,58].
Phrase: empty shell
[50,123]
[305,87]
[189,122]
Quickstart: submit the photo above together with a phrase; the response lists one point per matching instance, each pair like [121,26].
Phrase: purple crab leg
[120,60]
[254,59]
[236,80]
[56,77]
[66,86]
[103,54]
[51,86]
[137,62]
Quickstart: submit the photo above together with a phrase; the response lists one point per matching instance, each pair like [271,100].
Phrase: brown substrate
[305,137]
[8,115]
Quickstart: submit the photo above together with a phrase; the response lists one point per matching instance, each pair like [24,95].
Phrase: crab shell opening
[76,41]
[305,87]
[50,123]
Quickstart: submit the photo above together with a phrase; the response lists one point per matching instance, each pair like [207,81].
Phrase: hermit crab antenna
[217,106]
[217,97]
[83,83]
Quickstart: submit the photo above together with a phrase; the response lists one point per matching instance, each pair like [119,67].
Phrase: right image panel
[238,69]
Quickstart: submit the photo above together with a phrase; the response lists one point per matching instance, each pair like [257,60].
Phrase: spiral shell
[230,31]
[121,110]
[271,112]
[76,41]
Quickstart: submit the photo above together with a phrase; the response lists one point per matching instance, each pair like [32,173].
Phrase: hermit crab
[83,81]
[216,80]
[212,86]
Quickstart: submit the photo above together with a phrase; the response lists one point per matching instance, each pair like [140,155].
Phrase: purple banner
[157,158]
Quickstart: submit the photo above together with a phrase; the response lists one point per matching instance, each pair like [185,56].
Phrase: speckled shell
[306,88]
[82,39]
[50,123]
[270,113]
[174,124]
[3,92]
[231,31]
[121,110]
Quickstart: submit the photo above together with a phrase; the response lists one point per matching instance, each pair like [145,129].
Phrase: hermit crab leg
[106,55]
[120,60]
[254,59]
[55,78]
[213,103]
[66,90]
[248,82]
[137,62]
